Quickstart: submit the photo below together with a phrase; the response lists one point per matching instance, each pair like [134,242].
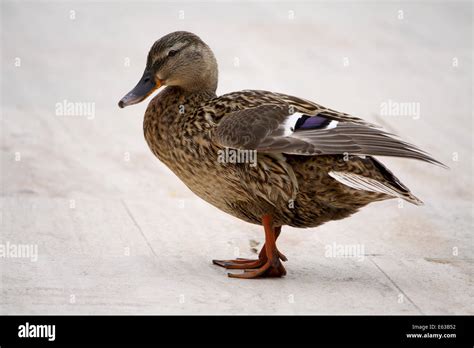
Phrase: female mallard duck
[312,164]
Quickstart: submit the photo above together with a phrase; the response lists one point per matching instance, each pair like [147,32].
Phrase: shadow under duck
[313,164]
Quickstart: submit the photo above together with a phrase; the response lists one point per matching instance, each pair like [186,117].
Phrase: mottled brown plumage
[313,164]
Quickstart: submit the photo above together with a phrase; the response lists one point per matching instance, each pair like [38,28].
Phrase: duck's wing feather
[290,125]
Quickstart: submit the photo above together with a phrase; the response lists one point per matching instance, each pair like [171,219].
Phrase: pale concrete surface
[117,232]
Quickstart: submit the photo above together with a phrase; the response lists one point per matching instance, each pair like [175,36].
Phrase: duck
[264,157]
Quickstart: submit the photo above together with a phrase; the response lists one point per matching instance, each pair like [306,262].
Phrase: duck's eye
[172,53]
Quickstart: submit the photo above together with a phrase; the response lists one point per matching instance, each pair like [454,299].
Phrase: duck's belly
[244,190]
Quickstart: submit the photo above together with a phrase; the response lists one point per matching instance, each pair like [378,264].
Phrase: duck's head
[178,59]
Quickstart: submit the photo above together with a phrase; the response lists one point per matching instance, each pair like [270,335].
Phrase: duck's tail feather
[388,184]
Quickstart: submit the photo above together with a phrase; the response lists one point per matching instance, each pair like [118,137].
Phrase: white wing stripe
[360,182]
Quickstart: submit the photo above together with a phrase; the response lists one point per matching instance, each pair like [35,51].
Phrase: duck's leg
[269,265]
[241,263]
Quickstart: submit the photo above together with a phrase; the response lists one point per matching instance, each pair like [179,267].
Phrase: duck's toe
[239,263]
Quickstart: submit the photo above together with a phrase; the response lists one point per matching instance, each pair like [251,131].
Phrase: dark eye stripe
[156,65]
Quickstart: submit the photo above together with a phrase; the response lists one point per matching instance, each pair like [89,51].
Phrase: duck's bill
[141,91]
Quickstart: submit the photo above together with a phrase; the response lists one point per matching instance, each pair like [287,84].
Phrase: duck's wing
[285,124]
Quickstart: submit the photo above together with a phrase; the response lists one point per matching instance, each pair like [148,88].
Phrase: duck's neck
[177,105]
[168,115]
[191,94]
[203,83]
